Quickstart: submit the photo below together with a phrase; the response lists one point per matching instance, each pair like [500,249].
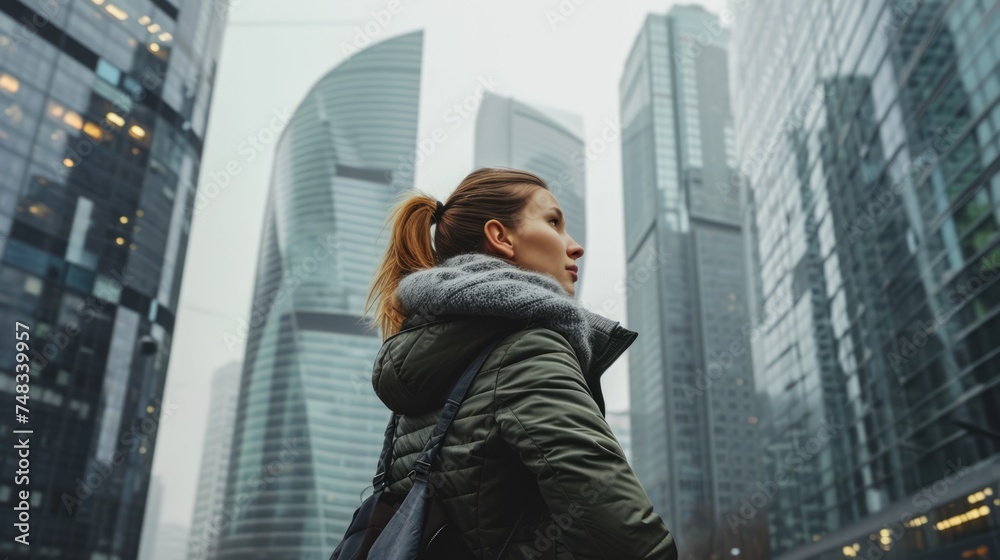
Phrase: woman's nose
[574,250]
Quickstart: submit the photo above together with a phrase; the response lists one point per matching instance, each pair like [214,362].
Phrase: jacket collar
[616,340]
[610,340]
[484,285]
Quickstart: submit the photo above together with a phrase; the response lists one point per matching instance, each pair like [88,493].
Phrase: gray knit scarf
[481,284]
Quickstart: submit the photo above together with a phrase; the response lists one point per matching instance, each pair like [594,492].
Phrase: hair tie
[437,213]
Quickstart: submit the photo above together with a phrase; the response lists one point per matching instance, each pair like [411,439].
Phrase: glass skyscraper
[103,109]
[693,420]
[867,135]
[545,141]
[209,501]
[309,426]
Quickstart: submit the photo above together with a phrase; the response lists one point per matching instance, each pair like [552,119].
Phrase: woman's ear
[499,240]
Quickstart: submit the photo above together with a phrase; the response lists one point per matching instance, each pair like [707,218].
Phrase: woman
[530,436]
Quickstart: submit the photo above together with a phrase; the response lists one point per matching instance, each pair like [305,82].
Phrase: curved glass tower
[308,426]
[547,142]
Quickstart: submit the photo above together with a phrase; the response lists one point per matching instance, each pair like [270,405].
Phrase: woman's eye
[556,220]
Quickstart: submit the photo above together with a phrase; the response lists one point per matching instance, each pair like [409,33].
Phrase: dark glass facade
[867,134]
[104,107]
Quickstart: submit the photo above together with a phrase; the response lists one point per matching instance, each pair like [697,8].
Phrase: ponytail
[486,193]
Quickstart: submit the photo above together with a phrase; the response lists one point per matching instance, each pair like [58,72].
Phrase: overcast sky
[567,54]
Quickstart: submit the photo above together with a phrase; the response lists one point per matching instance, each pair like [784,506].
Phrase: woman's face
[540,242]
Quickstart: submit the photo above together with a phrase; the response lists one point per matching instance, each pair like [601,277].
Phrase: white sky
[266,68]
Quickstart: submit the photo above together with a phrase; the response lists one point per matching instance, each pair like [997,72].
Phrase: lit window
[108,71]
[92,130]
[73,119]
[9,83]
[116,12]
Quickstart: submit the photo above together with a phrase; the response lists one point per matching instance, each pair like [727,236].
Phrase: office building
[693,418]
[104,110]
[867,135]
[209,505]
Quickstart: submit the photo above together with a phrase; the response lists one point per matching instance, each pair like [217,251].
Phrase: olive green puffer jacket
[530,434]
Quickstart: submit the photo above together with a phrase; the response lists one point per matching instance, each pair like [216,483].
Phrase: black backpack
[412,525]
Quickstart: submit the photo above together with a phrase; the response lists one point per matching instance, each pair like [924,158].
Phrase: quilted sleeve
[546,413]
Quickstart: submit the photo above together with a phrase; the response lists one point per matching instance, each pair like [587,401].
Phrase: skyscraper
[309,426]
[545,141]
[171,542]
[693,418]
[619,422]
[209,506]
[104,108]
[151,519]
[867,135]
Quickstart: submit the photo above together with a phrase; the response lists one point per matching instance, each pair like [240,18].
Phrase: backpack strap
[423,464]
[385,458]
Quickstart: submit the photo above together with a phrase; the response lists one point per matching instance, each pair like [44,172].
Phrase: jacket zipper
[434,536]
